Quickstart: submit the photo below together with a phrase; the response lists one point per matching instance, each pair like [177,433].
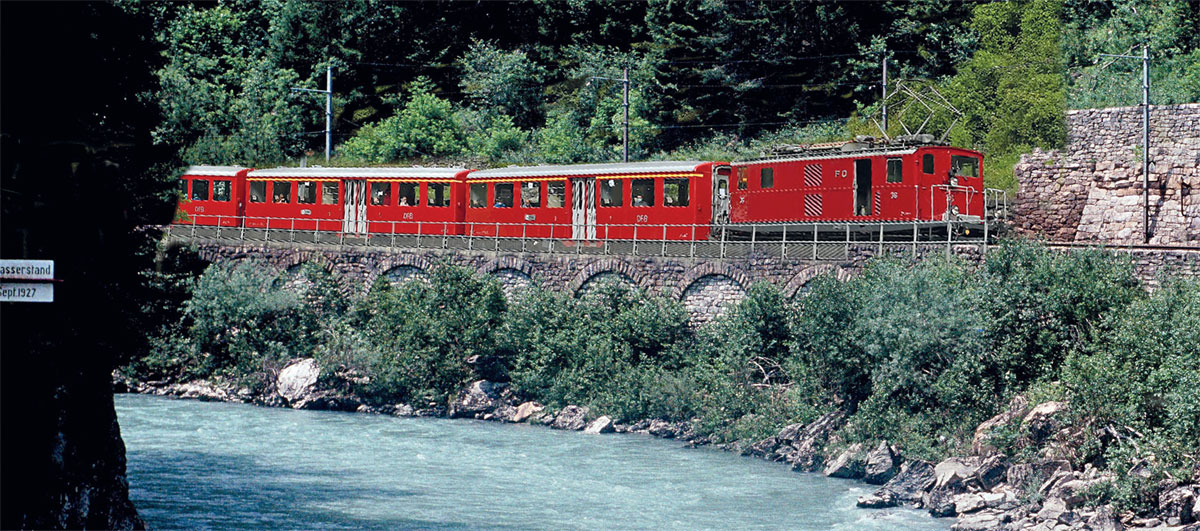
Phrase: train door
[720,197]
[583,209]
[354,210]
[862,187]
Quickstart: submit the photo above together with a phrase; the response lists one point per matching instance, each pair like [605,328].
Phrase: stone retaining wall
[1092,191]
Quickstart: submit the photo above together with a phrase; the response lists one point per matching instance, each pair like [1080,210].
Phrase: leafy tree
[222,97]
[502,82]
[425,127]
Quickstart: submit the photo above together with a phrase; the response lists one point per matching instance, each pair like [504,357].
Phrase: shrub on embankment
[917,353]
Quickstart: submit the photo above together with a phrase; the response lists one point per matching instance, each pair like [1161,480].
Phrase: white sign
[27,269]
[26,292]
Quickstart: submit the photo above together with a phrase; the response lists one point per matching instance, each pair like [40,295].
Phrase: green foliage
[1042,305]
[421,334]
[497,138]
[1141,380]
[502,82]
[425,127]
[823,345]
[1012,91]
[1170,27]
[613,350]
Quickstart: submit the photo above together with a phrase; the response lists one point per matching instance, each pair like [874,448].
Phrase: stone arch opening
[514,282]
[604,278]
[710,296]
[799,285]
[403,274]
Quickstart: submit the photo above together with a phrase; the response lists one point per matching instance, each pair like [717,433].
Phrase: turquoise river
[205,465]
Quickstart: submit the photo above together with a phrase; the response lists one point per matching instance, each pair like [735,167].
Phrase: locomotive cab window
[329,193]
[381,193]
[306,192]
[406,194]
[258,192]
[200,190]
[504,195]
[437,194]
[743,180]
[675,192]
[183,189]
[611,191]
[895,170]
[927,163]
[766,178]
[642,191]
[964,166]
[281,191]
[531,195]
[221,190]
[478,195]
[556,194]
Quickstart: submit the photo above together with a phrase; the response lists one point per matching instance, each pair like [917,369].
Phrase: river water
[205,465]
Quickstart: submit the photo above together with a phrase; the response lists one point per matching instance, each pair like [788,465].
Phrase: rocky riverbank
[986,490]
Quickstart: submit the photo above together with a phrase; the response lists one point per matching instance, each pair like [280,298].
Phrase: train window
[743,180]
[927,163]
[766,178]
[611,192]
[964,166]
[675,192]
[478,195]
[407,194]
[642,191]
[531,195]
[281,191]
[329,193]
[556,194]
[221,190]
[437,194]
[895,169]
[258,192]
[504,195]
[199,190]
[381,193]
[306,192]
[183,188]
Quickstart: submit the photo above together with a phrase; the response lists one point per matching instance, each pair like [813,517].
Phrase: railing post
[985,235]
[496,238]
[753,237]
[524,230]
[692,246]
[783,243]
[419,234]
[814,253]
[393,240]
[881,238]
[471,237]
[847,241]
[635,239]
[914,240]
[722,241]
[949,235]
[664,241]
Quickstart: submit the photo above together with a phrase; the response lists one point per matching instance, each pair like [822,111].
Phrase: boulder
[199,390]
[764,448]
[1041,422]
[477,399]
[1053,509]
[297,382]
[604,424]
[847,464]
[666,430]
[987,520]
[879,500]
[570,418]
[526,410]
[805,445]
[882,464]
[992,471]
[954,473]
[981,443]
[968,503]
[1104,520]
[402,410]
[1176,506]
[911,482]
[503,412]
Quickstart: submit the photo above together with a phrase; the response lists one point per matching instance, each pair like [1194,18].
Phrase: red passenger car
[212,195]
[638,200]
[856,182]
[357,200]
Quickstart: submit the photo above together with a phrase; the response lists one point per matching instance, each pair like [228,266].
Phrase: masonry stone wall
[1091,191]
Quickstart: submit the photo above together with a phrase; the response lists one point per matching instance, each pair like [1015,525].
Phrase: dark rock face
[1176,506]
[848,464]
[882,464]
[802,445]
[477,399]
[911,482]
[570,418]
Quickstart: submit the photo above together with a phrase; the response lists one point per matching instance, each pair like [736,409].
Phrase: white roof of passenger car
[217,171]
[616,168]
[361,173]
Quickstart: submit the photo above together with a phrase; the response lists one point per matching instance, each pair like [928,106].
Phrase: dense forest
[494,83]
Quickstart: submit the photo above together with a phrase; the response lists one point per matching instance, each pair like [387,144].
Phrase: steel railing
[815,241]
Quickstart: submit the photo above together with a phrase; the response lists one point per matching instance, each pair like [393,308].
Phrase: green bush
[425,127]
[1141,381]
[422,333]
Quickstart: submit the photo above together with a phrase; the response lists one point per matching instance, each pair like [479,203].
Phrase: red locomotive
[814,186]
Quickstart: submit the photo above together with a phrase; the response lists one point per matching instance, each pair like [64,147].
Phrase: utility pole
[328,92]
[1145,57]
[625,82]
[885,124]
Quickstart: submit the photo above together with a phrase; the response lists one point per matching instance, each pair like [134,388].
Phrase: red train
[832,184]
